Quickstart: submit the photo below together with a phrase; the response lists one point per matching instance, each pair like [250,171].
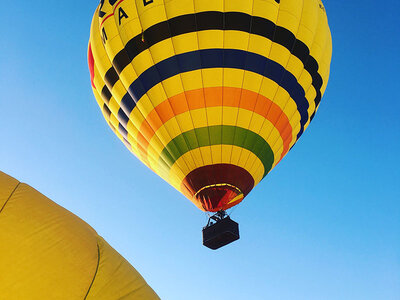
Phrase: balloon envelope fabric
[46,252]
[210,94]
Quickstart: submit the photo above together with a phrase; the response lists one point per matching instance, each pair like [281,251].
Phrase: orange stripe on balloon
[146,130]
[213,97]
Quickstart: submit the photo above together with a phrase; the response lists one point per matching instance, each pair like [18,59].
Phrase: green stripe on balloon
[225,135]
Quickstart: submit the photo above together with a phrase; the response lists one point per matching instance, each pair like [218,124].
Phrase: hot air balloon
[210,94]
[46,252]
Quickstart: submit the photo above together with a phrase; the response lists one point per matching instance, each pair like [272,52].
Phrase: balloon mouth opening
[218,197]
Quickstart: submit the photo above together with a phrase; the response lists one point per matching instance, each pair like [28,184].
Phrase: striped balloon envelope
[210,94]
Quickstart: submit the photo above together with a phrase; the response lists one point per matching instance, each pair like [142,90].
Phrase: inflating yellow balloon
[46,252]
[210,94]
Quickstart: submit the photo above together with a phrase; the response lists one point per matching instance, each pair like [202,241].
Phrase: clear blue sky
[325,224]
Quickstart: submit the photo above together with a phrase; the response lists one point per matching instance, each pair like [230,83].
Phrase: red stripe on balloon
[91,64]
[213,187]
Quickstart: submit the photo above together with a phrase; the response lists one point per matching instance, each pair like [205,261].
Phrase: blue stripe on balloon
[217,58]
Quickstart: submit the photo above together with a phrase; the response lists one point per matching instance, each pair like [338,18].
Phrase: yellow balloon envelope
[46,252]
[210,94]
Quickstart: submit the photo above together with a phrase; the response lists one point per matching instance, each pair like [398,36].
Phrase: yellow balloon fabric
[46,252]
[210,94]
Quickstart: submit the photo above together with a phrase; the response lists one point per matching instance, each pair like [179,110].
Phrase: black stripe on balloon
[313,114]
[216,58]
[111,77]
[123,118]
[123,131]
[106,111]
[106,94]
